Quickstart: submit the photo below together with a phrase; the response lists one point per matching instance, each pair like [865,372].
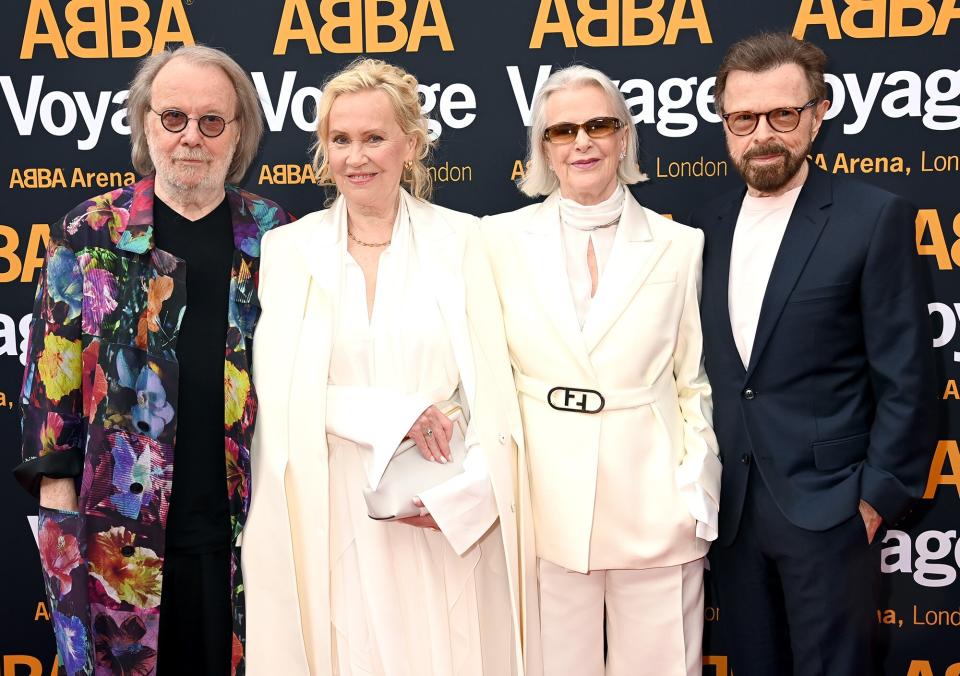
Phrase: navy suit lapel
[803,231]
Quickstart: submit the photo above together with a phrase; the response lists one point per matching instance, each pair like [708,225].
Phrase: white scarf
[594,216]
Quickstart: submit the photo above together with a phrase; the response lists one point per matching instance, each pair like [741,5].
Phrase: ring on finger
[429,432]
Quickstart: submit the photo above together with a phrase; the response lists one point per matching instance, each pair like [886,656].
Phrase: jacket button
[502,438]
[127,550]
[136,488]
[749,394]
[745,459]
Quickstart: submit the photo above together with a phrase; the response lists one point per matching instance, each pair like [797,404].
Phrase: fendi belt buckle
[575,399]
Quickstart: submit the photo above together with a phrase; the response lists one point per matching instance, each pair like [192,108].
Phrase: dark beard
[770,178]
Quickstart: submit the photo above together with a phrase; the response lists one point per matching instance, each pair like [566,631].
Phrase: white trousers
[654,620]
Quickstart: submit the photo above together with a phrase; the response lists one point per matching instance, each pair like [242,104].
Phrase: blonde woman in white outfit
[600,304]
[373,310]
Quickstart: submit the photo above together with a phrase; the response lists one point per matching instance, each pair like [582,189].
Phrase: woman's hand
[423,520]
[431,432]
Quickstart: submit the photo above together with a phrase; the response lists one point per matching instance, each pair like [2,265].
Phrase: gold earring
[408,166]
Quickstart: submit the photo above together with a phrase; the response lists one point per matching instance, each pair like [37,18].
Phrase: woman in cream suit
[373,310]
[600,304]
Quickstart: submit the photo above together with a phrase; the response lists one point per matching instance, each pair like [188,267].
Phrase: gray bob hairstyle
[247,113]
[538,178]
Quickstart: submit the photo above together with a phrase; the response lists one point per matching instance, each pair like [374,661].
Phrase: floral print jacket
[99,402]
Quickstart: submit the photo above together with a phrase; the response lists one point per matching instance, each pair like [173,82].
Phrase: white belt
[585,400]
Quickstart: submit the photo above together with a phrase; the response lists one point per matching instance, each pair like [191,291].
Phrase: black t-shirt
[199,517]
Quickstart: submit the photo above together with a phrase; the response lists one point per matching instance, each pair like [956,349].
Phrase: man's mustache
[769,149]
[196,155]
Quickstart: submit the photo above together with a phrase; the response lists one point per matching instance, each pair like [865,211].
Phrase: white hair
[538,178]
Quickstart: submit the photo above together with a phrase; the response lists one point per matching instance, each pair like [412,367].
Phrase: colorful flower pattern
[59,366]
[71,635]
[123,642]
[59,555]
[128,573]
[99,402]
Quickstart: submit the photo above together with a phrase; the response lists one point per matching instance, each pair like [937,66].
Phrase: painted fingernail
[443,460]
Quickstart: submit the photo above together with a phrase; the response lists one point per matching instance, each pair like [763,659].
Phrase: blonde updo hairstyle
[401,88]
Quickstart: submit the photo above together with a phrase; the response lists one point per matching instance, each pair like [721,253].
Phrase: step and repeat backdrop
[895,79]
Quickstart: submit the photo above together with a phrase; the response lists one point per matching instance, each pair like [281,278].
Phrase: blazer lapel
[324,249]
[322,253]
[803,230]
[440,248]
[720,245]
[541,247]
[635,253]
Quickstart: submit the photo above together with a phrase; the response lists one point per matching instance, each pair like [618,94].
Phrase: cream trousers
[654,620]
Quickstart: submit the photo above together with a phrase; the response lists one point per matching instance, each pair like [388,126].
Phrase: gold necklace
[370,244]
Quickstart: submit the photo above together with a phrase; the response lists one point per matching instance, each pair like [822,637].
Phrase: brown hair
[766,51]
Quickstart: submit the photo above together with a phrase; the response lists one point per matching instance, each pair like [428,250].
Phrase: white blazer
[641,348]
[286,537]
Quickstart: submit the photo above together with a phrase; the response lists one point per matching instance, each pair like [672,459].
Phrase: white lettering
[936,116]
[301,104]
[524,104]
[862,103]
[58,111]
[949,319]
[11,343]
[93,120]
[931,566]
[677,105]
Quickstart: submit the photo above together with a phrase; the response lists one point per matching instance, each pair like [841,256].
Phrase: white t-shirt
[756,241]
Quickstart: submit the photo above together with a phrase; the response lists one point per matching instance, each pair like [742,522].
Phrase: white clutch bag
[409,474]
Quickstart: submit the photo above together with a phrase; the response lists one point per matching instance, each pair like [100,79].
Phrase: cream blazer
[641,347]
[286,538]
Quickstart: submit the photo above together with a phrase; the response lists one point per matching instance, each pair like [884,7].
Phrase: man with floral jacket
[147,303]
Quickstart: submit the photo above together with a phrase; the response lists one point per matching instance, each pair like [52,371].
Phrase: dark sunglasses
[783,120]
[174,121]
[566,132]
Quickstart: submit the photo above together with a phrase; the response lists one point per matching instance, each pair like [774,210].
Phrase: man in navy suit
[818,348]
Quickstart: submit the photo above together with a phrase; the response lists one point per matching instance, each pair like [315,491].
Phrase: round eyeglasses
[783,120]
[566,132]
[174,121]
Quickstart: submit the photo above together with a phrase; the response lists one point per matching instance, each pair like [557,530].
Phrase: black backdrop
[64,69]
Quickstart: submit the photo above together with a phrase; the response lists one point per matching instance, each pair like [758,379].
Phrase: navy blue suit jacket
[838,401]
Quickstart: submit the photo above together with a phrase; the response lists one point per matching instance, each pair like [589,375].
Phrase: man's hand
[871,519]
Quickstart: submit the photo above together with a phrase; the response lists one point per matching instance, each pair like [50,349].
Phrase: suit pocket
[820,293]
[839,453]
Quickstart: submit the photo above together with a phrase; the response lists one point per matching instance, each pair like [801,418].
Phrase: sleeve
[53,433]
[464,507]
[897,334]
[53,421]
[350,410]
[63,558]
[698,476]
